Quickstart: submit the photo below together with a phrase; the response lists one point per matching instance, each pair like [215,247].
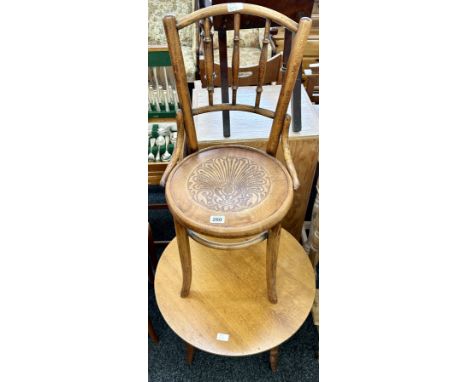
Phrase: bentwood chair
[231,191]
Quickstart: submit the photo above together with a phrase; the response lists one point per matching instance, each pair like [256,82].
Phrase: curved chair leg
[274,359]
[271,259]
[185,259]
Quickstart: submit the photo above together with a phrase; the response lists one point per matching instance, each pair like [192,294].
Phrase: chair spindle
[235,58]
[262,63]
[209,66]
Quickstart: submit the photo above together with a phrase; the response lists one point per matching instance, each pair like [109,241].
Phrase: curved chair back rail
[238,8]
[204,15]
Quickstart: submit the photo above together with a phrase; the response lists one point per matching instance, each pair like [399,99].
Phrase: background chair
[312,82]
[250,46]
[292,9]
[228,191]
[188,38]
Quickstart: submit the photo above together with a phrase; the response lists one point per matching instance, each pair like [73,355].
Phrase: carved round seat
[229,191]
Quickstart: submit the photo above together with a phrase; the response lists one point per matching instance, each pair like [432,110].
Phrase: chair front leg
[185,258]
[271,260]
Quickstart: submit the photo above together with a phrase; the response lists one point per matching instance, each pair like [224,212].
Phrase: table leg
[152,259]
[274,359]
[296,104]
[189,352]
[152,332]
[223,65]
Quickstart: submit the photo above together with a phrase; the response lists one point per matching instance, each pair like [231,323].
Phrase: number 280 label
[217,219]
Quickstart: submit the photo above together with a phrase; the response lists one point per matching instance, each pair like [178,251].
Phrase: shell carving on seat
[229,184]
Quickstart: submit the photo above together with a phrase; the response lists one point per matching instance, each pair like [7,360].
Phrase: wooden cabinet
[311,53]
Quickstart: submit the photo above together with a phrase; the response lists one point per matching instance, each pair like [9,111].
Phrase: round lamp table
[227,311]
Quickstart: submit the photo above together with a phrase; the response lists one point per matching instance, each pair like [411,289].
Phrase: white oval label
[217,219]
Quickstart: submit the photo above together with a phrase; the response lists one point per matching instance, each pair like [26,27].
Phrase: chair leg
[185,259]
[271,260]
[152,332]
[274,359]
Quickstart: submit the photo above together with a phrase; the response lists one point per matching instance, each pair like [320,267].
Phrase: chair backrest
[172,25]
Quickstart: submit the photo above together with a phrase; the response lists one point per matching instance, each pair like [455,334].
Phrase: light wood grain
[228,295]
[243,9]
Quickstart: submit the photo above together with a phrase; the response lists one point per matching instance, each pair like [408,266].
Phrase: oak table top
[227,311]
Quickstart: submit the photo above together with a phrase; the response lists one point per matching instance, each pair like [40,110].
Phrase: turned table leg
[274,359]
[185,259]
[152,332]
[152,259]
[271,260]
[189,352]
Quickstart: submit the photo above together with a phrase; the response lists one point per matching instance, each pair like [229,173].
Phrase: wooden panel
[155,172]
[311,50]
[307,61]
